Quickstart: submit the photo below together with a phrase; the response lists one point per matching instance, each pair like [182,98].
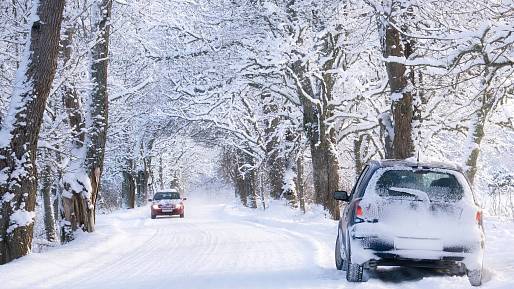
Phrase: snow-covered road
[219,246]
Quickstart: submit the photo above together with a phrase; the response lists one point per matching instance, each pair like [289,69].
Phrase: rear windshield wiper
[420,195]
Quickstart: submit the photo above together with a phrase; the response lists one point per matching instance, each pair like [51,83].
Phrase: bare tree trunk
[261,192]
[317,109]
[250,181]
[143,176]
[46,192]
[290,191]
[72,180]
[75,186]
[387,134]
[98,106]
[58,190]
[274,161]
[476,134]
[325,164]
[128,186]
[161,171]
[357,155]
[21,127]
[402,107]
[289,182]
[142,185]
[476,131]
[241,190]
[326,176]
[299,181]
[244,180]
[149,176]
[361,146]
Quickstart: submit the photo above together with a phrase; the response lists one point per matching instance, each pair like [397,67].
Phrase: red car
[167,203]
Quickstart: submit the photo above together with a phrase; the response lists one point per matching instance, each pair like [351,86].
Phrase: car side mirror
[341,196]
[184,199]
[150,200]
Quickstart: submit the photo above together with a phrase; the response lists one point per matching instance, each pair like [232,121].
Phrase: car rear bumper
[176,211]
[374,251]
[384,245]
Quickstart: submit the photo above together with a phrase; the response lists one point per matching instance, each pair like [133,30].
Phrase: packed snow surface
[221,245]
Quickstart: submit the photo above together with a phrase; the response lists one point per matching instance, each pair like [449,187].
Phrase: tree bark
[387,134]
[357,155]
[161,172]
[250,181]
[325,165]
[476,132]
[98,106]
[21,127]
[326,176]
[46,192]
[142,186]
[75,186]
[143,176]
[128,187]
[240,189]
[274,161]
[402,108]
[299,181]
[244,179]
[231,162]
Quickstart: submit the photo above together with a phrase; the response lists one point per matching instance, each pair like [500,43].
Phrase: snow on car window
[423,185]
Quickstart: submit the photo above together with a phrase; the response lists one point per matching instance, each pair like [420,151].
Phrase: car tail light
[478,217]
[358,211]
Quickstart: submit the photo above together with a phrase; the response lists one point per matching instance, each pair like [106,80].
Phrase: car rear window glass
[166,196]
[420,185]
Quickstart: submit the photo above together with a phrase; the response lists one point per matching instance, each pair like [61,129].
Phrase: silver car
[403,213]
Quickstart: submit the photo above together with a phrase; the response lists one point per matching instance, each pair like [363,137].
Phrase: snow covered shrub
[500,191]
[110,195]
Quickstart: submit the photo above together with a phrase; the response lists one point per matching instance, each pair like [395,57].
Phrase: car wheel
[475,277]
[153,216]
[340,261]
[354,271]
[182,215]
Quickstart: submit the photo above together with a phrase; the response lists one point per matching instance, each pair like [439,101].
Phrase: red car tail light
[478,217]
[358,211]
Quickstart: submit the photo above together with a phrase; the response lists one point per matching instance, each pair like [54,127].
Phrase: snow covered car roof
[413,163]
[167,191]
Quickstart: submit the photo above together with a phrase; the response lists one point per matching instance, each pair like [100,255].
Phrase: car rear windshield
[166,196]
[437,186]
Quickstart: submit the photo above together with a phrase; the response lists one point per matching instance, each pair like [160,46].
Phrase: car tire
[182,215]
[475,277]
[340,261]
[153,216]
[354,272]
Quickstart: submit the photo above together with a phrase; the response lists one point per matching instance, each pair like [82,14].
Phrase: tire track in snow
[211,248]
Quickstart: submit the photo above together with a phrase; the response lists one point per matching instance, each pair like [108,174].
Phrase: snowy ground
[219,245]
